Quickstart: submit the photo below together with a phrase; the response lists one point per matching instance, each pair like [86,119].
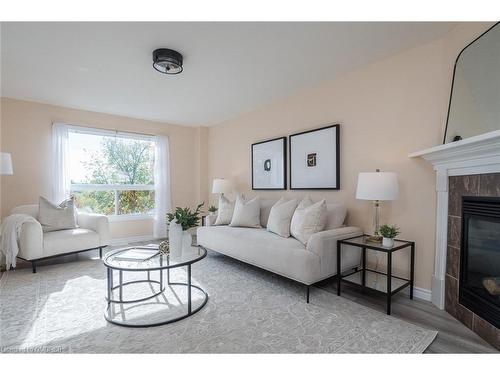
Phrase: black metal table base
[109,316]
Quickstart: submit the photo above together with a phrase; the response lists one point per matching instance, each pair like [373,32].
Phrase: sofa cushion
[285,256]
[246,213]
[69,240]
[281,216]
[225,211]
[265,210]
[56,217]
[308,218]
[335,215]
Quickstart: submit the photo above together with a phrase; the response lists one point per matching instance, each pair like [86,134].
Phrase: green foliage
[388,231]
[120,161]
[186,217]
[212,209]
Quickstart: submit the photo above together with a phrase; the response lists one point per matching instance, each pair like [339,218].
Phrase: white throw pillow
[225,211]
[281,216]
[57,217]
[308,218]
[246,213]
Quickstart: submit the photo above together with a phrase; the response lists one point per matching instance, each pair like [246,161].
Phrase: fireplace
[479,286]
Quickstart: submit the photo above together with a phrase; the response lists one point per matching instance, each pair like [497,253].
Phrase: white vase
[175,238]
[387,242]
[187,240]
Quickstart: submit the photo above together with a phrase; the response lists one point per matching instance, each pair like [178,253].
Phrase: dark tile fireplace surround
[485,185]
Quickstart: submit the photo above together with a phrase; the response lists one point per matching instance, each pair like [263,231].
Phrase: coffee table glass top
[118,259]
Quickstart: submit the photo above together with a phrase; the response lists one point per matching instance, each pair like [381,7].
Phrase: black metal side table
[383,283]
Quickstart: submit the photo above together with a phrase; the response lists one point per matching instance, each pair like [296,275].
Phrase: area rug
[60,309]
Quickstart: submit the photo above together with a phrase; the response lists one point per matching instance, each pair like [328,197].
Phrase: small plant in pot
[212,210]
[180,221]
[388,233]
[185,217]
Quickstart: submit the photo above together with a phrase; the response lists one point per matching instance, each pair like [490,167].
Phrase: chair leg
[100,253]
[33,266]
[307,296]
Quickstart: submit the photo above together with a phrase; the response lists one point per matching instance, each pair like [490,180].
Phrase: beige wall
[26,133]
[386,110]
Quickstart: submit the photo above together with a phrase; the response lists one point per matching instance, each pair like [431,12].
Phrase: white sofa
[35,245]
[288,257]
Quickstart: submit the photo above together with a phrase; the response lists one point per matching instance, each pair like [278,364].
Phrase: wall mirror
[474,106]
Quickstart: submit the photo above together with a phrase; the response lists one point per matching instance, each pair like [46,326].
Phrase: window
[112,173]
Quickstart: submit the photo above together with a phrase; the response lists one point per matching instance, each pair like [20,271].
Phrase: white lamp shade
[5,163]
[221,186]
[377,186]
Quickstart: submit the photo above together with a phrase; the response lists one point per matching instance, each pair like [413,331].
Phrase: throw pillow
[57,217]
[246,213]
[281,216]
[308,219]
[225,211]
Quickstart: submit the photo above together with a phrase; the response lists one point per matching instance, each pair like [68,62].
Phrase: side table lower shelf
[376,281]
[368,279]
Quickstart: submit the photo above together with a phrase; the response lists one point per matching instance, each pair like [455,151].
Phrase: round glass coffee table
[145,299]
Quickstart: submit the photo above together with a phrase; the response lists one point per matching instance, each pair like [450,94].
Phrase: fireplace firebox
[479,287]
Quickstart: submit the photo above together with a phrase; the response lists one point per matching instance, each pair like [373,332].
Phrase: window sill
[131,217]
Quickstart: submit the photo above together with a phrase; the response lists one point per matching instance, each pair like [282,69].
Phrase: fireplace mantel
[475,155]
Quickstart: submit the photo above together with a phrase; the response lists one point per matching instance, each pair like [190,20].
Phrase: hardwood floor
[453,336]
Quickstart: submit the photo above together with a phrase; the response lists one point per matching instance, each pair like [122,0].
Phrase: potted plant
[212,210]
[388,233]
[180,221]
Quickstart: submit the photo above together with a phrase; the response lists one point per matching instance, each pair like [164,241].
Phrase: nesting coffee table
[148,275]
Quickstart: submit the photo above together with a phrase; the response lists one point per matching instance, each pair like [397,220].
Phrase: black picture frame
[337,153]
[284,161]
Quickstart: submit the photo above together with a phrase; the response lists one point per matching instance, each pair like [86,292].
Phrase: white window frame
[116,188]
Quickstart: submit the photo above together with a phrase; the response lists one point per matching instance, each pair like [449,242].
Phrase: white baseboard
[421,293]
[126,240]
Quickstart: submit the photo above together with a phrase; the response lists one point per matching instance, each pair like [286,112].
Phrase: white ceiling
[229,68]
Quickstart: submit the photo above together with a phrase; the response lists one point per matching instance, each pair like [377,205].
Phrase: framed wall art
[269,165]
[315,159]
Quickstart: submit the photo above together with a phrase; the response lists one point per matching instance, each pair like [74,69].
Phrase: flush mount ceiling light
[167,61]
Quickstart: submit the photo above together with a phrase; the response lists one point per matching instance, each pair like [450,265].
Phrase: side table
[383,283]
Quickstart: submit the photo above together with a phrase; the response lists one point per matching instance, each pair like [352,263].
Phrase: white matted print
[269,165]
[314,159]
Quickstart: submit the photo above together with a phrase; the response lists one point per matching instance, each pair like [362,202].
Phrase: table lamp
[221,186]
[377,186]
[5,164]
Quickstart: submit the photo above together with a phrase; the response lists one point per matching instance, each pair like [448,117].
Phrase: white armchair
[34,245]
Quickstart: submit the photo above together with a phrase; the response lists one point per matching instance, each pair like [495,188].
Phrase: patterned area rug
[60,309]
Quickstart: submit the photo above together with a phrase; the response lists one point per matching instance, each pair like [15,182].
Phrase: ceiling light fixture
[167,61]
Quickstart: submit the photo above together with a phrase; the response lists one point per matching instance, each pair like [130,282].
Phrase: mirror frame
[453,78]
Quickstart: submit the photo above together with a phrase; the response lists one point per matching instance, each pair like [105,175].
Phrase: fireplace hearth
[479,286]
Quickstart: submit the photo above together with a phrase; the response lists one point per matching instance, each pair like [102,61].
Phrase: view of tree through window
[112,175]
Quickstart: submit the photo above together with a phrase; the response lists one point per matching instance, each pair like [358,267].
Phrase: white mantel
[474,155]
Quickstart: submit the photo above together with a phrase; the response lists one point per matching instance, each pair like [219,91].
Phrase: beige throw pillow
[281,216]
[246,213]
[308,218]
[225,211]
[57,217]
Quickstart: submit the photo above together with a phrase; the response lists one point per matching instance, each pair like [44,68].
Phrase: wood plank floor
[453,336]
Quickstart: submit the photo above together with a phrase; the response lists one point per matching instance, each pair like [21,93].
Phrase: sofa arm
[96,222]
[31,241]
[324,245]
